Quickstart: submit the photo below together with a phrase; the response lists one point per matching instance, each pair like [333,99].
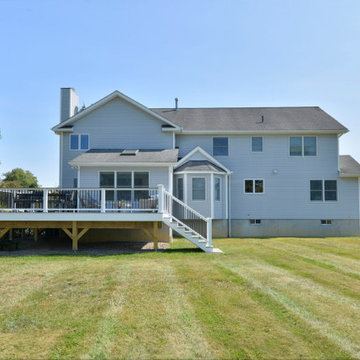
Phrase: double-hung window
[220,146]
[79,142]
[217,188]
[303,146]
[180,188]
[254,186]
[256,143]
[323,190]
[198,188]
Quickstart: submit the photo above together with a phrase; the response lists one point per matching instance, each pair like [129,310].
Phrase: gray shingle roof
[245,119]
[114,156]
[348,165]
[199,165]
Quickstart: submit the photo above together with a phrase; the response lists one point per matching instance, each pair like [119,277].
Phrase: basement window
[326,222]
[255,221]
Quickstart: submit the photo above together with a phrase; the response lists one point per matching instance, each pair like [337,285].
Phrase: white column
[78,176]
[103,203]
[161,198]
[226,196]
[186,189]
[212,195]
[171,186]
[45,200]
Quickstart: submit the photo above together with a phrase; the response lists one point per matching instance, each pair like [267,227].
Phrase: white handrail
[185,205]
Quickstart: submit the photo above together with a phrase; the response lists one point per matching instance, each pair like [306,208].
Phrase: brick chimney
[69,103]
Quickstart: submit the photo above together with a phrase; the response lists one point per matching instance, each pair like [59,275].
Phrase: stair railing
[185,215]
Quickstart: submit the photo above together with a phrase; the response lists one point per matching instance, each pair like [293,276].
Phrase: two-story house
[253,171]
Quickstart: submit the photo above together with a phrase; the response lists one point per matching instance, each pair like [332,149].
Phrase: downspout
[229,206]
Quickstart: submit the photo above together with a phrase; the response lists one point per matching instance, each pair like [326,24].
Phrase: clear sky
[207,53]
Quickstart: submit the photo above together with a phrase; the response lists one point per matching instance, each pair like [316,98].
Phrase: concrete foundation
[301,228]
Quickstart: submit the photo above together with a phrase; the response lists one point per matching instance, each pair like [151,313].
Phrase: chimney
[176,103]
[69,103]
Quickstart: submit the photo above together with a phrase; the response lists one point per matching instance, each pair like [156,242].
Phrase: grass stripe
[323,327]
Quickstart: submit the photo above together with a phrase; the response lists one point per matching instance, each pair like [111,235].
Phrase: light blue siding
[287,194]
[89,176]
[116,125]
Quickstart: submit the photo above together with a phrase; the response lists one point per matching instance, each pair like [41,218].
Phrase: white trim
[253,180]
[227,196]
[228,147]
[105,100]
[303,148]
[200,172]
[323,201]
[173,140]
[230,212]
[204,153]
[79,142]
[61,145]
[78,177]
[185,188]
[212,210]
[127,171]
[171,183]
[342,175]
[205,189]
[262,145]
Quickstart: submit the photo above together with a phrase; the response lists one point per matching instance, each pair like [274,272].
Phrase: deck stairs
[187,222]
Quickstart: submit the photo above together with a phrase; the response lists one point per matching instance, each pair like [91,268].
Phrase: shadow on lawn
[54,248]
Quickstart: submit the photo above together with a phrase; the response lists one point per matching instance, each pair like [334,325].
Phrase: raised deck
[77,210]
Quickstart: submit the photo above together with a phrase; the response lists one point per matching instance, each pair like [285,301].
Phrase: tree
[19,178]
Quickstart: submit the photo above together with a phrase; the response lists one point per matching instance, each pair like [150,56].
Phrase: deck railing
[123,200]
[186,216]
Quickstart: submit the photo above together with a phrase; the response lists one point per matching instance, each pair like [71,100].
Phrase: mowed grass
[263,299]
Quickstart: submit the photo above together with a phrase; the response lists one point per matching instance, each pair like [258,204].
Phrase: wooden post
[11,233]
[74,236]
[22,234]
[36,234]
[156,235]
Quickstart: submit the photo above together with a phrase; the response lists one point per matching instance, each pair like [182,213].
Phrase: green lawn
[264,298]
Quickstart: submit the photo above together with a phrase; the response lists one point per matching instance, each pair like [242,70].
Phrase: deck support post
[11,234]
[74,236]
[156,236]
[36,234]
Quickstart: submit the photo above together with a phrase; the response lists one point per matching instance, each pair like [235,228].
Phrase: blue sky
[207,53]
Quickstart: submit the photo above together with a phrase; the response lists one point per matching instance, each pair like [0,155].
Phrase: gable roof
[199,165]
[207,157]
[242,120]
[116,94]
[95,157]
[348,166]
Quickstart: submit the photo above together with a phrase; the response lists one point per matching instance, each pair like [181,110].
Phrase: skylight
[129,152]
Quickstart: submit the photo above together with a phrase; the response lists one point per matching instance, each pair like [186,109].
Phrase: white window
[254,186]
[79,142]
[180,188]
[255,222]
[256,144]
[326,222]
[220,146]
[323,190]
[217,188]
[125,179]
[198,188]
[303,146]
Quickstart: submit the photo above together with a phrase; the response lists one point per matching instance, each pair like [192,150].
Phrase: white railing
[186,216]
[122,200]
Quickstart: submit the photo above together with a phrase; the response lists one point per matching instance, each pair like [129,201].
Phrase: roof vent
[176,103]
[129,152]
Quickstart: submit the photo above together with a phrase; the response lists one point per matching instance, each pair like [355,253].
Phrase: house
[220,172]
